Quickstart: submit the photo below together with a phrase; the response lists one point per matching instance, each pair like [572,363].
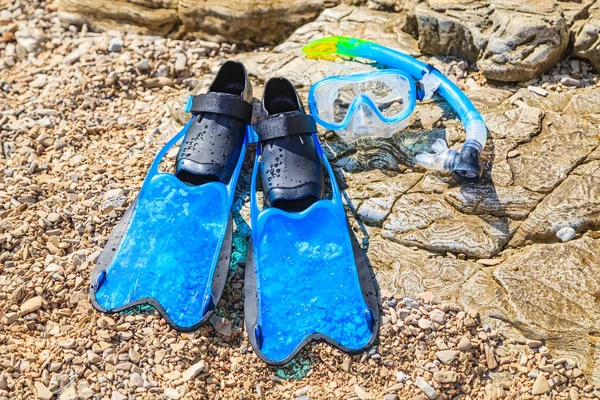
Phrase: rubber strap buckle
[285,125]
[220,103]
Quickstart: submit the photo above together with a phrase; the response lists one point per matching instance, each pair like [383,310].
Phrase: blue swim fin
[172,247]
[306,276]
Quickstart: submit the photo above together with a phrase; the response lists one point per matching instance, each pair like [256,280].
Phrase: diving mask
[365,104]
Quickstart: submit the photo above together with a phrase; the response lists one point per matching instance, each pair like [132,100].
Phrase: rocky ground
[512,261]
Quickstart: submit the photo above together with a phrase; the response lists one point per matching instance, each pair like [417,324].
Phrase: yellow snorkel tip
[331,47]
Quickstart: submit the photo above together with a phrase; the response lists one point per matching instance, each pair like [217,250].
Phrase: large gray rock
[251,22]
[509,40]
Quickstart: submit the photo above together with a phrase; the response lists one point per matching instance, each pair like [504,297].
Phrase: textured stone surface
[559,299]
[574,203]
[510,40]
[586,33]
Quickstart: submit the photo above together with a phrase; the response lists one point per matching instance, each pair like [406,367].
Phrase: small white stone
[565,234]
[180,62]
[426,388]
[118,396]
[172,393]
[193,371]
[115,45]
[401,377]
[538,90]
[447,356]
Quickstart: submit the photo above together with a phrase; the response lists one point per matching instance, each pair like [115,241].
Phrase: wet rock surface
[79,125]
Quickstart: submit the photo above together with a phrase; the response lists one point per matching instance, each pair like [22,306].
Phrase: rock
[424,324]
[464,344]
[426,388]
[553,299]
[254,22]
[180,62]
[42,392]
[390,396]
[193,371]
[401,377]
[135,380]
[499,36]
[93,357]
[39,82]
[158,82]
[445,376]
[68,344]
[585,33]
[540,386]
[532,344]
[31,305]
[32,40]
[172,394]
[221,325]
[574,394]
[538,90]
[447,356]
[571,82]
[134,356]
[118,396]
[115,45]
[143,66]
[70,393]
[362,393]
[437,316]
[302,391]
[86,393]
[565,234]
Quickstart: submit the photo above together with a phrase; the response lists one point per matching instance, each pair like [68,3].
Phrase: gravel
[80,123]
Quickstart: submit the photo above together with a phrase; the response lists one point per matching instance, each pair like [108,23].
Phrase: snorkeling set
[306,276]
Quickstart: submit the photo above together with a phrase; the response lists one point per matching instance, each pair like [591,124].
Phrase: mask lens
[388,92]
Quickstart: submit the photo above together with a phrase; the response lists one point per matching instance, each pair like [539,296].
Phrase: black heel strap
[221,103]
[285,125]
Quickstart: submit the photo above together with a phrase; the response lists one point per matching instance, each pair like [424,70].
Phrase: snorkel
[464,165]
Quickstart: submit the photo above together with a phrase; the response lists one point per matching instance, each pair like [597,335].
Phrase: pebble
[115,45]
[426,388]
[42,392]
[401,377]
[143,66]
[424,324]
[532,344]
[445,376]
[568,81]
[437,316]
[118,396]
[464,344]
[134,356]
[180,62]
[44,122]
[135,380]
[172,393]
[302,391]
[158,82]
[565,234]
[538,90]
[362,393]
[70,393]
[540,386]
[31,305]
[447,356]
[574,393]
[390,396]
[193,371]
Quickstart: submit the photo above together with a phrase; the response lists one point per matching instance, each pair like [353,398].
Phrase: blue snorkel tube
[464,165]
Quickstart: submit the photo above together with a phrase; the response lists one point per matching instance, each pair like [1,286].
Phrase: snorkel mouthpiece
[467,166]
